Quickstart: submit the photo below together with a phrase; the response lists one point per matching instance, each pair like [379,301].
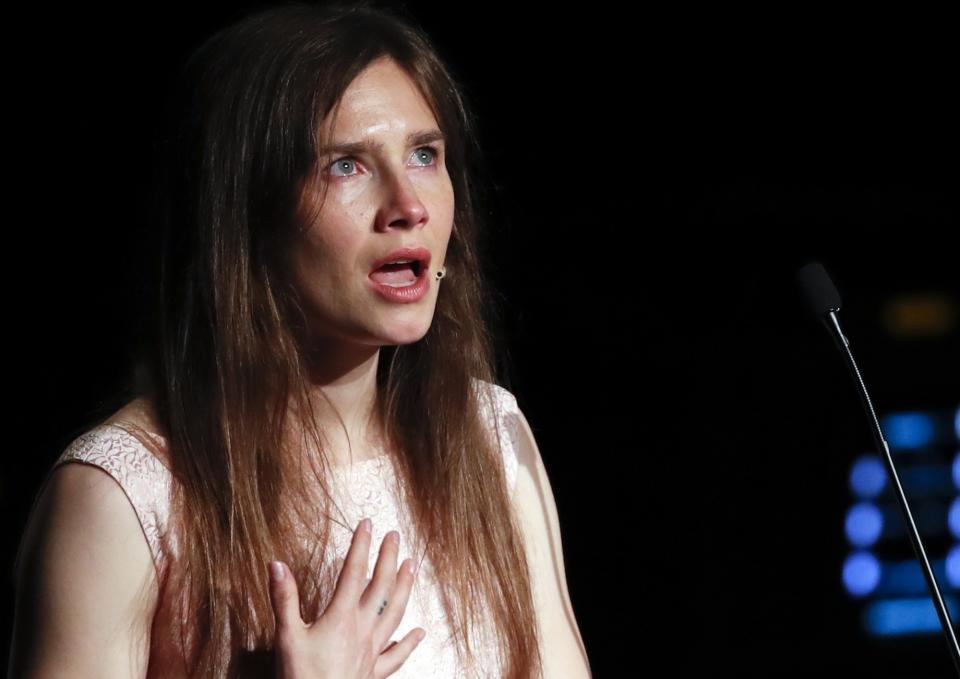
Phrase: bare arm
[86,586]
[564,655]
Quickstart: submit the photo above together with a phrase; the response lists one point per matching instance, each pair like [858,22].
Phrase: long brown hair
[223,358]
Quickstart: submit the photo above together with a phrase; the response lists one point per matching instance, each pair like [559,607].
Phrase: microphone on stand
[824,300]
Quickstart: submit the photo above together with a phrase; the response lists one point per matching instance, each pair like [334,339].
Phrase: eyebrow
[419,137]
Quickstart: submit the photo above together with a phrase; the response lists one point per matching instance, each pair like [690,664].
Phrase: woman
[307,369]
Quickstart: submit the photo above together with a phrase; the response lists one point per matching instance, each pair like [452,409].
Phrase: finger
[285,599]
[397,605]
[391,659]
[350,582]
[384,574]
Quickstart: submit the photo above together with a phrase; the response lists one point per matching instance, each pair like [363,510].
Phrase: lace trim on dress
[368,489]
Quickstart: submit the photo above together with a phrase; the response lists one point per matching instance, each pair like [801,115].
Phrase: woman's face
[393,193]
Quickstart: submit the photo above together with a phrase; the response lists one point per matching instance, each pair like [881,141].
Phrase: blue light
[868,478]
[956,424]
[861,573]
[953,566]
[908,430]
[898,617]
[927,480]
[905,578]
[956,470]
[953,517]
[864,524]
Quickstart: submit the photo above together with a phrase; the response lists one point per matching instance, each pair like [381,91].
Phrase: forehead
[383,101]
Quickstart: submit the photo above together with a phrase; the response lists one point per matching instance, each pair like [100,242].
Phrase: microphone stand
[823,297]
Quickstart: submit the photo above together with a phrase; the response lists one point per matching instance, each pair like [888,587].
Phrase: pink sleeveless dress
[365,489]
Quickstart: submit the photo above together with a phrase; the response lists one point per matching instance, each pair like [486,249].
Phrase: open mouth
[398,274]
[402,267]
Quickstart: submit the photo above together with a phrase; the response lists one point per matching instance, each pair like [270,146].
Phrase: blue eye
[348,161]
[431,149]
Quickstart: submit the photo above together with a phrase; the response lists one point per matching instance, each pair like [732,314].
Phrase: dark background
[658,178]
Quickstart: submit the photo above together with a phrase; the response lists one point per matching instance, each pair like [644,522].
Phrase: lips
[420,256]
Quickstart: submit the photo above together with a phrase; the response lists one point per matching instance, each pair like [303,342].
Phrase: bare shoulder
[563,651]
[86,583]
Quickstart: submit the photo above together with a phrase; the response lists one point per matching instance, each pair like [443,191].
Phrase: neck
[342,385]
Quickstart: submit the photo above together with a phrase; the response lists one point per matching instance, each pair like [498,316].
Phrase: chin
[407,339]
[409,335]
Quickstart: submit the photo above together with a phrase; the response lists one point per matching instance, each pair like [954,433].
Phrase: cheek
[449,203]
[328,253]
[449,213]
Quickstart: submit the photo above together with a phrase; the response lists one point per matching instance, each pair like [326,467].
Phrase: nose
[402,206]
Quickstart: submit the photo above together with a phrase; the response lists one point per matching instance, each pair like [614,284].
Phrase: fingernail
[276,571]
[366,525]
